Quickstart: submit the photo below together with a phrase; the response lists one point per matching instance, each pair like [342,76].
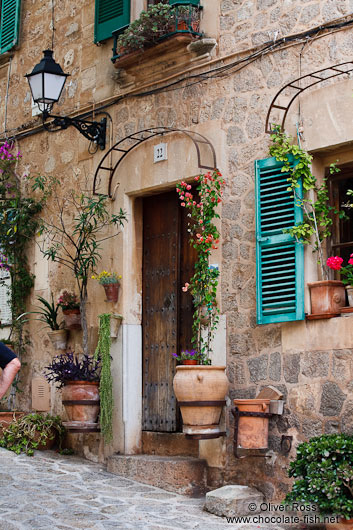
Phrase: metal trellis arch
[108,167]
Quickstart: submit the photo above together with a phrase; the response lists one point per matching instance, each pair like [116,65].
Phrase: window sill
[318,335]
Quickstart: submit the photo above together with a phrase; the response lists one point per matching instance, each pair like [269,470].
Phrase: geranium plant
[68,300]
[335,263]
[106,278]
[204,237]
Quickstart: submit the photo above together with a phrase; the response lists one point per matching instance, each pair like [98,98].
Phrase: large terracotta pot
[81,400]
[112,291]
[58,338]
[72,318]
[8,417]
[327,297]
[201,384]
[252,431]
[349,289]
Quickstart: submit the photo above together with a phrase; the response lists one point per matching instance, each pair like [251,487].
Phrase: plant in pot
[111,284]
[323,473]
[76,241]
[335,263]
[33,431]
[189,357]
[327,296]
[48,314]
[201,389]
[79,379]
[71,309]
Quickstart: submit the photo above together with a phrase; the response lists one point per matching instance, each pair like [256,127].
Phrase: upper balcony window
[10,21]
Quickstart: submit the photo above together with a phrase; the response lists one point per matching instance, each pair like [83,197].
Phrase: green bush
[323,470]
[31,431]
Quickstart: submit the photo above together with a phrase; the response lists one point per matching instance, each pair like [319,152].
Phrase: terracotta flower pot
[58,338]
[189,362]
[81,400]
[112,291]
[72,318]
[201,384]
[327,297]
[252,431]
[349,289]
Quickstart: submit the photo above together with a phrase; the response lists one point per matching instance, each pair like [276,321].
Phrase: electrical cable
[220,71]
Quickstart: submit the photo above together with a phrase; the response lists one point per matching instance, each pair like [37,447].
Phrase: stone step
[179,474]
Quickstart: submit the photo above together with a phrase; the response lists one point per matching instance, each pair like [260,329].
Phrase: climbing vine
[106,380]
[204,237]
[317,211]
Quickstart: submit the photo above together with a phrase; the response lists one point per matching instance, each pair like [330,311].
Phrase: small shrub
[323,470]
[31,431]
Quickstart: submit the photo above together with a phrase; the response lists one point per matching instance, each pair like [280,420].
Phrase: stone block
[231,501]
[332,399]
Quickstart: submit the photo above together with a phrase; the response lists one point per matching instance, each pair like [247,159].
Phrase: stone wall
[316,384]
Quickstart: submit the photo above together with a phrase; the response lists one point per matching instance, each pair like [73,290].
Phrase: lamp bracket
[92,130]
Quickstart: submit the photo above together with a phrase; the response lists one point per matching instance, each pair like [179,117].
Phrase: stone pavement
[51,492]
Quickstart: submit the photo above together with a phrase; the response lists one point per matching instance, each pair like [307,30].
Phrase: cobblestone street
[49,491]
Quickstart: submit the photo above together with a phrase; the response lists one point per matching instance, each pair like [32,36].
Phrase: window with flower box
[10,22]
[279,257]
[342,228]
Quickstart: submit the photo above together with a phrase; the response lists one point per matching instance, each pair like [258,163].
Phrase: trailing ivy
[317,211]
[106,380]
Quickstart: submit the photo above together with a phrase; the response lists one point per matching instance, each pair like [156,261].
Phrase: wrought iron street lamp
[46,82]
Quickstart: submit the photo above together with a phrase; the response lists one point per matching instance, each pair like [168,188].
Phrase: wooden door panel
[160,318]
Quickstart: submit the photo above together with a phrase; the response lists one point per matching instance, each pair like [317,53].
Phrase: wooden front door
[168,262]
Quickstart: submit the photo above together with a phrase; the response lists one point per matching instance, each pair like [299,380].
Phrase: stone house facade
[221,89]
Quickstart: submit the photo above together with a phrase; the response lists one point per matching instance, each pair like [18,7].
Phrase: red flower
[335,262]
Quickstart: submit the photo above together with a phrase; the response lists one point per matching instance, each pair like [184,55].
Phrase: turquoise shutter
[279,258]
[185,2]
[111,15]
[10,21]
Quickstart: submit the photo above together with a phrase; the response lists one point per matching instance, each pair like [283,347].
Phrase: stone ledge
[231,501]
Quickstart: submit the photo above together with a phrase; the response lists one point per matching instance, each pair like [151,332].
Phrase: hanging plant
[106,380]
[204,237]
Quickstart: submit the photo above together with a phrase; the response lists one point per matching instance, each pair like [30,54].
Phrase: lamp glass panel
[53,85]
[35,83]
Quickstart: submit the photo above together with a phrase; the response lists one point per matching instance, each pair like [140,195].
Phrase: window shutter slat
[192,2]
[10,21]
[279,258]
[111,15]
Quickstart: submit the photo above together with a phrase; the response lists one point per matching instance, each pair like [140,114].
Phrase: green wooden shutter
[111,15]
[279,258]
[185,2]
[10,21]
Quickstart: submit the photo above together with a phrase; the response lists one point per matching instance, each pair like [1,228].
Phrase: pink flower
[188,187]
[183,204]
[185,288]
[350,261]
[335,262]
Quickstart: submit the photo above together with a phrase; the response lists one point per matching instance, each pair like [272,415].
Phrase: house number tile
[160,153]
